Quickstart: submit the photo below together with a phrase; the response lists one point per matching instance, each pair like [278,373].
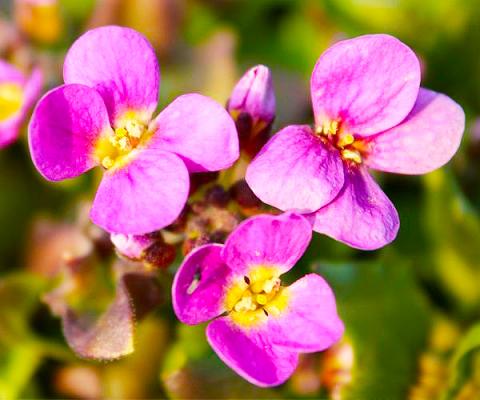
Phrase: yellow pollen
[246,303]
[334,134]
[107,162]
[256,297]
[346,140]
[112,149]
[352,155]
[11,99]
[328,128]
[262,299]
[134,129]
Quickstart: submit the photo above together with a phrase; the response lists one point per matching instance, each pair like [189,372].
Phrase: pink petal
[311,322]
[8,73]
[121,65]
[361,216]
[199,285]
[250,354]
[296,171]
[143,196]
[200,131]
[277,241]
[10,128]
[63,131]
[370,83]
[33,87]
[131,246]
[427,139]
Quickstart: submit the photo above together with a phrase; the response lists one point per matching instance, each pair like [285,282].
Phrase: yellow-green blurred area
[411,310]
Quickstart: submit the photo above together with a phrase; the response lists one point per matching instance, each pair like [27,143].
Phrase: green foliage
[386,319]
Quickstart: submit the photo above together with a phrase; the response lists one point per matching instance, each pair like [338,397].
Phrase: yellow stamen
[111,150]
[346,140]
[333,128]
[134,129]
[252,299]
[351,155]
[262,299]
[271,284]
[107,162]
[11,99]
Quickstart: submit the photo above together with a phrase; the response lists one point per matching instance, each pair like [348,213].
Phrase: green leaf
[465,363]
[451,222]
[386,320]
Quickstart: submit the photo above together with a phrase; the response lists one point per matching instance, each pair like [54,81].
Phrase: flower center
[351,149]
[256,297]
[112,149]
[11,99]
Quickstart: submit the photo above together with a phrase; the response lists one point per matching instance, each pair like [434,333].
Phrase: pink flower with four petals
[103,116]
[259,326]
[370,113]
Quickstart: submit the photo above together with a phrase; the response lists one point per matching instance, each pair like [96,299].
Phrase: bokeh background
[412,310]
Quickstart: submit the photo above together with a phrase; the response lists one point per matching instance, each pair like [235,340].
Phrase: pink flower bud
[132,246]
[254,95]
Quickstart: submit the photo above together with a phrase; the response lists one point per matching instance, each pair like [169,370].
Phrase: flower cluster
[161,187]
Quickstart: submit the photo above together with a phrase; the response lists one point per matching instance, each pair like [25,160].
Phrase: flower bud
[252,106]
[254,95]
[132,246]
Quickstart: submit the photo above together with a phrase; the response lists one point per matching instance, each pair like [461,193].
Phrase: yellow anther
[328,128]
[107,162]
[245,304]
[346,140]
[121,132]
[124,143]
[333,128]
[134,129]
[271,284]
[262,299]
[352,155]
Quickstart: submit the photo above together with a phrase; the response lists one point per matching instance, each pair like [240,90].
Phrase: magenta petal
[361,216]
[63,131]
[311,322]
[370,83]
[296,171]
[198,289]
[267,240]
[200,131]
[250,354]
[143,196]
[427,139]
[121,65]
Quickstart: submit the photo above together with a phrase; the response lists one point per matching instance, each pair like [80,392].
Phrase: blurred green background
[412,310]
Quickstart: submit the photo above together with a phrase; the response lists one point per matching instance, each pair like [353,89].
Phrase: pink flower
[266,325]
[370,112]
[17,94]
[103,116]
